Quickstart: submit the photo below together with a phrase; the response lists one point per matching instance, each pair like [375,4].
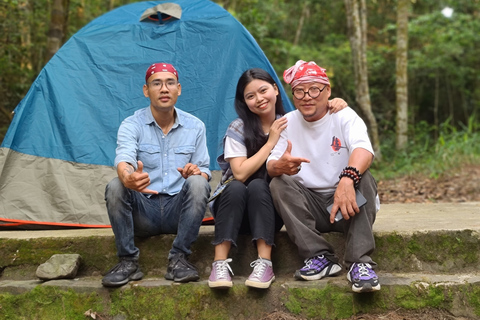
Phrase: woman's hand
[276,129]
[336,105]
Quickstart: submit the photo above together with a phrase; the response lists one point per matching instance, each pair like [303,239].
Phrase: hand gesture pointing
[289,164]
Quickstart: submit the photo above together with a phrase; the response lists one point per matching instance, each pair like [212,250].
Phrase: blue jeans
[133,214]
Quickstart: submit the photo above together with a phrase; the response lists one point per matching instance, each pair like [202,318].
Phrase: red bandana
[303,72]
[160,67]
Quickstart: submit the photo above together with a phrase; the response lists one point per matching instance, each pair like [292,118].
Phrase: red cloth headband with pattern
[303,72]
[160,67]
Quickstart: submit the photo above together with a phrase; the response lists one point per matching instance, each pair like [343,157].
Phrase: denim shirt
[140,138]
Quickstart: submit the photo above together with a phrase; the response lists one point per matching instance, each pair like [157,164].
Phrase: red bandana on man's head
[303,72]
[160,67]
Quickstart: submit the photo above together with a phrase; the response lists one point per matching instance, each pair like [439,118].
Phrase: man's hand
[344,199]
[287,164]
[136,180]
[190,169]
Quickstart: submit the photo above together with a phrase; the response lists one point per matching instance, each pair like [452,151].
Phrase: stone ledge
[329,298]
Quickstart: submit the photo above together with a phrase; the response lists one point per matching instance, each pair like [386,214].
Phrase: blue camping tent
[58,153]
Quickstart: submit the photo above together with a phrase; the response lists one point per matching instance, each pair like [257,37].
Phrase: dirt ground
[401,314]
[461,185]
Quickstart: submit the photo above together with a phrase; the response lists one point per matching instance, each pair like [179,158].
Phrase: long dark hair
[253,133]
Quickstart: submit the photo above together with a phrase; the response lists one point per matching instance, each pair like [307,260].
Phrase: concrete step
[427,256]
[435,238]
[156,298]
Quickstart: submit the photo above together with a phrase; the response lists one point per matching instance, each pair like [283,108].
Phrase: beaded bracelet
[353,170]
[352,173]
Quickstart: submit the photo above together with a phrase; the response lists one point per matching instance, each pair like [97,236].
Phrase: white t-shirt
[232,148]
[327,143]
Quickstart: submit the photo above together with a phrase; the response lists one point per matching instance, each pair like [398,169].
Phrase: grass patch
[49,303]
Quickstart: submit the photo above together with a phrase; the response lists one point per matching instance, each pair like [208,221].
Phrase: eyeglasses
[158,84]
[313,92]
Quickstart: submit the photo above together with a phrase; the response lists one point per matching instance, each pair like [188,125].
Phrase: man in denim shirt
[162,185]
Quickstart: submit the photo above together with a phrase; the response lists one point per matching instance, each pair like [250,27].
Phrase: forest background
[442,62]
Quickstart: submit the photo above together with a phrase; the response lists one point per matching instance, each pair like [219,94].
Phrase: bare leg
[264,250]
[221,250]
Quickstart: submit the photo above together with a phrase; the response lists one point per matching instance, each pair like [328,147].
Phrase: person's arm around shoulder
[344,198]
[336,104]
[134,179]
[243,167]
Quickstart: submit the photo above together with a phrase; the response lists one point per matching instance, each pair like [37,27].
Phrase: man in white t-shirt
[322,159]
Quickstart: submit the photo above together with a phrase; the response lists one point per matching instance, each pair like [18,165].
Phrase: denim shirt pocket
[150,155]
[183,155]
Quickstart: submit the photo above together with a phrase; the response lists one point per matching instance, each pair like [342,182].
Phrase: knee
[277,184]
[235,191]
[368,185]
[197,185]
[115,189]
[258,188]
[258,185]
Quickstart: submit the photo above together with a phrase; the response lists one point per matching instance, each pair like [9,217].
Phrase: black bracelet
[355,170]
[352,173]
[351,176]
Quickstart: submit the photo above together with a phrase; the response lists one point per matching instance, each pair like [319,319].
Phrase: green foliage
[444,83]
[429,156]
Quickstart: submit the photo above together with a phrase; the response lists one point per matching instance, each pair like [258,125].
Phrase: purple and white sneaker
[262,275]
[220,275]
[363,278]
[316,268]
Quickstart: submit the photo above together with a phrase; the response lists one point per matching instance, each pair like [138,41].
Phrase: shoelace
[185,262]
[122,266]
[363,270]
[222,268]
[259,267]
[308,262]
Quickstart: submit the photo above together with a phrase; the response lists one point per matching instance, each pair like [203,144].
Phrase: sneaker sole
[366,288]
[259,285]
[133,277]
[329,271]
[220,284]
[189,278]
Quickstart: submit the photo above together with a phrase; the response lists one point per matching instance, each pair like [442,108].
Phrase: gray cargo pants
[305,216]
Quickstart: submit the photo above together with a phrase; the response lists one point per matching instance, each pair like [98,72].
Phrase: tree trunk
[402,74]
[450,102]
[435,105]
[300,23]
[357,26]
[58,27]
[25,28]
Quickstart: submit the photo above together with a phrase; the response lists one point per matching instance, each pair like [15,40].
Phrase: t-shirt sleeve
[357,134]
[233,149]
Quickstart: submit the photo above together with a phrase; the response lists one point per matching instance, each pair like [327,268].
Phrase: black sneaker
[316,268]
[180,270]
[363,278]
[122,273]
